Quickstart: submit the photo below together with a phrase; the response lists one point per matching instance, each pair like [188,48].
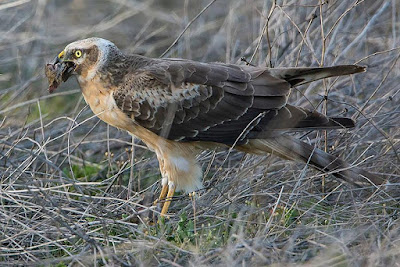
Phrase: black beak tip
[56,60]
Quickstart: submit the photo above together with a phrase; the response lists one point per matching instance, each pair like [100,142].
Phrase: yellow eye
[78,53]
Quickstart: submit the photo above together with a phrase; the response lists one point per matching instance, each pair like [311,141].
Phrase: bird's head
[83,58]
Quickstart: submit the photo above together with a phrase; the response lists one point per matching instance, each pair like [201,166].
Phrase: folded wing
[215,102]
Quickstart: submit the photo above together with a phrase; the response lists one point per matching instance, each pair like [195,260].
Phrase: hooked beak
[59,58]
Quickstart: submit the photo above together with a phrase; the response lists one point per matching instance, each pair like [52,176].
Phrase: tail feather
[288,147]
[298,76]
[340,123]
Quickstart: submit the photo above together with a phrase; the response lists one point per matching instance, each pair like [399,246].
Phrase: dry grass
[75,192]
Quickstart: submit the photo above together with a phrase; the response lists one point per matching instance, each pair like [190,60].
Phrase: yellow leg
[164,191]
[171,192]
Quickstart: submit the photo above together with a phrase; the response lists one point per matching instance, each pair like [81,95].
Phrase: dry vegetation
[75,192]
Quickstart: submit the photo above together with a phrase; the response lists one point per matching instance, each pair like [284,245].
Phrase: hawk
[179,107]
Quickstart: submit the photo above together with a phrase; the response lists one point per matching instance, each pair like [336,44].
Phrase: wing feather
[216,102]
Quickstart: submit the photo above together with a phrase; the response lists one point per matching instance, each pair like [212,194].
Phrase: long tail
[298,76]
[288,147]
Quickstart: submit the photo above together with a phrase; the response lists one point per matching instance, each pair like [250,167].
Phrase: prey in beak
[59,71]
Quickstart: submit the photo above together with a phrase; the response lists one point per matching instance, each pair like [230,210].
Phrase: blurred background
[76,192]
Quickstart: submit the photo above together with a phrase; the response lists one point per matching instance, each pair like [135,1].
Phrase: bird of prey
[179,107]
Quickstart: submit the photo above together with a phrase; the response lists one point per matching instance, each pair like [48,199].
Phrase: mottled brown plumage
[213,102]
[178,107]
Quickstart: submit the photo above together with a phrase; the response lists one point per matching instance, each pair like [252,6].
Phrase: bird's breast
[102,103]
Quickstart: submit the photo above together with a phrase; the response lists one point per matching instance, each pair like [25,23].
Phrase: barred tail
[288,147]
[298,76]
